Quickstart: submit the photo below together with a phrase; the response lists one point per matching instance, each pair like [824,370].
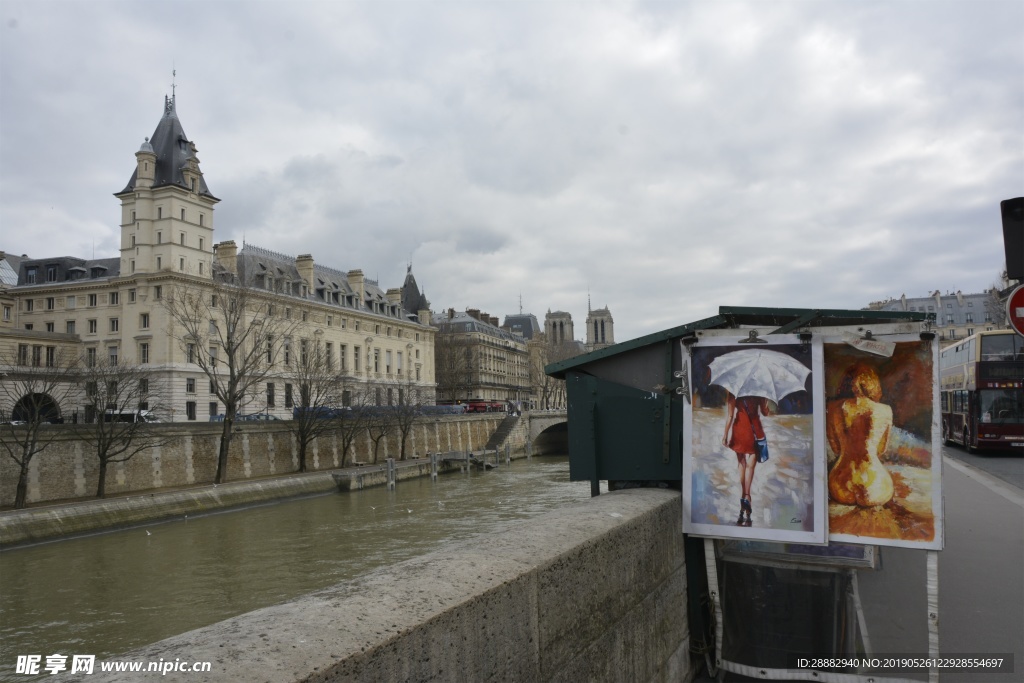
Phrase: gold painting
[882,446]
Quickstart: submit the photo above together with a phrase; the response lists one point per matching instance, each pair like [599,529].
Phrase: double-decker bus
[982,383]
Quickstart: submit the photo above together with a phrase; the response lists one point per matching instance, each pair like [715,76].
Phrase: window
[183,218]
[355,358]
[970,331]
[28,326]
[159,237]
[51,356]
[22,354]
[133,213]
[376,329]
[70,327]
[112,355]
[305,316]
[330,319]
[51,273]
[200,244]
[270,394]
[287,352]
[213,327]
[158,292]
[30,276]
[201,217]
[115,298]
[181,264]
[49,327]
[287,395]
[181,237]
[114,324]
[143,352]
[949,305]
[190,353]
[30,305]
[344,322]
[213,356]
[329,355]
[288,313]
[131,294]
[158,262]
[270,350]
[304,351]
[190,385]
[388,331]
[387,362]
[190,409]
[200,267]
[50,303]
[417,373]
[92,327]
[398,361]
[376,360]
[970,318]
[132,265]
[342,352]
[949,318]
[144,386]
[213,387]
[159,213]
[357,326]
[90,357]
[7,313]
[213,408]
[144,321]
[92,300]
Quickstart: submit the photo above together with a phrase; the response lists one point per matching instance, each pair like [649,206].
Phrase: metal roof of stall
[784,320]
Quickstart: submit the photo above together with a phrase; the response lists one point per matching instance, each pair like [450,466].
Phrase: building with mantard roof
[113,309]
[957,315]
[475,359]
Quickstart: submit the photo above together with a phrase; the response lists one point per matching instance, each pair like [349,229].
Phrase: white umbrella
[759,372]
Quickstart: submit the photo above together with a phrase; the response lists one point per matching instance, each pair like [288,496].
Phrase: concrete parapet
[594,591]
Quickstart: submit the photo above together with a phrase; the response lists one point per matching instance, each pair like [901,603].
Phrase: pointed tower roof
[412,300]
[173,152]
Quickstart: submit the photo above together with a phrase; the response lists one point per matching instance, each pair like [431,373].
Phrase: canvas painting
[752,465]
[883,450]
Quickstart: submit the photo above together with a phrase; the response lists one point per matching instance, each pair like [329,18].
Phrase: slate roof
[523,324]
[412,299]
[68,268]
[173,150]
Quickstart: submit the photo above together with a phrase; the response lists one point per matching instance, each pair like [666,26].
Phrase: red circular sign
[1015,309]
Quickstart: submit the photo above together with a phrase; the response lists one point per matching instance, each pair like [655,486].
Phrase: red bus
[982,384]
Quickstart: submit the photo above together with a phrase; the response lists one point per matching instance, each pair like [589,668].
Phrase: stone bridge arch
[549,432]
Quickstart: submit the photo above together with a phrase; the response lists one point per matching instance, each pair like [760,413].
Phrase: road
[1008,467]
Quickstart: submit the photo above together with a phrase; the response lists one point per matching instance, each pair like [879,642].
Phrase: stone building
[113,310]
[957,315]
[477,359]
[600,328]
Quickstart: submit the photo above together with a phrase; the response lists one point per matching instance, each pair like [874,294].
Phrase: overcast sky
[662,158]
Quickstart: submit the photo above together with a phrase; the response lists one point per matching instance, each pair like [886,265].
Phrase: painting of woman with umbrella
[754,405]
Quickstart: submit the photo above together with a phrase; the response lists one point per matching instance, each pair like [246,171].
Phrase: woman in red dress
[745,435]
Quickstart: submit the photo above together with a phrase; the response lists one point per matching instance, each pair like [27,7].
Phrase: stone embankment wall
[590,592]
[68,469]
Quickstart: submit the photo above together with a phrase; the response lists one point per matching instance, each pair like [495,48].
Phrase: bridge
[549,431]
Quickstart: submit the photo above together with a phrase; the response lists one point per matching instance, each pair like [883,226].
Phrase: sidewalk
[981,576]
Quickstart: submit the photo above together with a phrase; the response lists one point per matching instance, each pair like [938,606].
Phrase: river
[109,593]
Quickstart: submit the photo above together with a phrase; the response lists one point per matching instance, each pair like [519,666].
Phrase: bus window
[1000,347]
[1002,406]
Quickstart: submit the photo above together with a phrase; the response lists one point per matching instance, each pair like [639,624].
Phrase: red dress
[746,426]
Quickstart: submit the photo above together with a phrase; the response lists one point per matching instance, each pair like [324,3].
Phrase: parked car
[130,416]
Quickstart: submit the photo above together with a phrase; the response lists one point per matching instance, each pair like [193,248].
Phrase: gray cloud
[666,157]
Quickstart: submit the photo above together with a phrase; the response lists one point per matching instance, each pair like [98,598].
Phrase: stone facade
[957,315]
[188,456]
[100,311]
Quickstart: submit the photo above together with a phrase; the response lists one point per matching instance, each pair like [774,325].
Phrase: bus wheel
[967,441]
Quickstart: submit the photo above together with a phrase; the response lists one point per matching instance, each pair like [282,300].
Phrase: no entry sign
[1015,309]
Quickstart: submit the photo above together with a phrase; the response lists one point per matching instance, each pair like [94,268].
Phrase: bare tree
[320,389]
[552,391]
[36,385]
[453,364]
[234,334]
[380,419]
[116,428]
[353,419]
[406,410]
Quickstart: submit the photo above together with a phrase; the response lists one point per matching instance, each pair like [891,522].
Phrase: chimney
[451,313]
[304,264]
[394,295]
[473,313]
[226,254]
[357,282]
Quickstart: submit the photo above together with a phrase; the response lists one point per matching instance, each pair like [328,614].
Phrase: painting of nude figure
[884,463]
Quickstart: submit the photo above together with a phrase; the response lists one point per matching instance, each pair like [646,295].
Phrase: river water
[108,593]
